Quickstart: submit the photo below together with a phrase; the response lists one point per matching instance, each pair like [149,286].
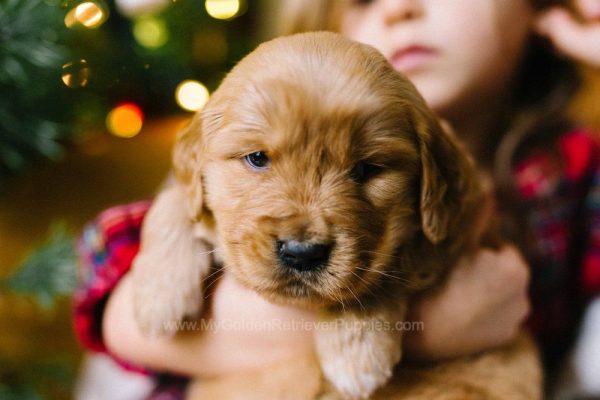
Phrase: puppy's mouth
[310,272]
[300,289]
[315,274]
[300,268]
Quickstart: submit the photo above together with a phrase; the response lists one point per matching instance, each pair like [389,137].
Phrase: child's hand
[577,39]
[243,331]
[482,305]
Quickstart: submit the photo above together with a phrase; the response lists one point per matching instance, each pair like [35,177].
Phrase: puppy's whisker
[337,295]
[341,300]
[207,287]
[379,253]
[213,282]
[332,273]
[204,253]
[216,271]
[388,275]
[397,278]
[367,284]
[356,297]
[384,273]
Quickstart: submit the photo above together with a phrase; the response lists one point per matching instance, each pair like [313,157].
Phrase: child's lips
[412,58]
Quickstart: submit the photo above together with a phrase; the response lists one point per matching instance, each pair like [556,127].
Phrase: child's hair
[544,85]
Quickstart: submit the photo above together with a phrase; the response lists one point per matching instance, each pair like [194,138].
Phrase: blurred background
[91,96]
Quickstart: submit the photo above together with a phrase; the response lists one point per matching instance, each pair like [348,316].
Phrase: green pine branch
[31,58]
[49,272]
[35,379]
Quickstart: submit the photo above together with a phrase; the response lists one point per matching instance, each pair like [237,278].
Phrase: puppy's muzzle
[303,256]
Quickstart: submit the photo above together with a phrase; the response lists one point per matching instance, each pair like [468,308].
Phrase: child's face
[460,54]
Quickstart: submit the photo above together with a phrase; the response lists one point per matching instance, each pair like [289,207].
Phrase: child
[479,66]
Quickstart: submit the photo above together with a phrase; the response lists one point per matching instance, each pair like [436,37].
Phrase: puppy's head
[319,163]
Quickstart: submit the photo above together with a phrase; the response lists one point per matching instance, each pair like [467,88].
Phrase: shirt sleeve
[106,250]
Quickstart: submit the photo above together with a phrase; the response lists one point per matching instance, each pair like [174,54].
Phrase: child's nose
[395,11]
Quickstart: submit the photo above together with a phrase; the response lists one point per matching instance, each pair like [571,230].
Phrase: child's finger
[589,9]
[576,40]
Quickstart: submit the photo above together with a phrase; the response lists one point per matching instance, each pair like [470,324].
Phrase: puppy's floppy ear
[187,155]
[175,250]
[168,271]
[446,175]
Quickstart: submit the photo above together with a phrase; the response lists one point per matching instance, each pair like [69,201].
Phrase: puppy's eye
[364,171]
[257,160]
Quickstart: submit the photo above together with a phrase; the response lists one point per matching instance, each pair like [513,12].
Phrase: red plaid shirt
[561,194]
[562,198]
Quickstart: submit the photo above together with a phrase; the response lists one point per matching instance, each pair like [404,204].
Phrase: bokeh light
[125,120]
[89,14]
[150,32]
[191,95]
[225,9]
[137,8]
[76,74]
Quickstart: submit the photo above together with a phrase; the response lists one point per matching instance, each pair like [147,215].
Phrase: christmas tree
[65,64]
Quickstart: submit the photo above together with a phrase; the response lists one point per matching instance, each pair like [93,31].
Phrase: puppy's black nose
[303,256]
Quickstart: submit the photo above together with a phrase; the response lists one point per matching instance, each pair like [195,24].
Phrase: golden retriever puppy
[317,175]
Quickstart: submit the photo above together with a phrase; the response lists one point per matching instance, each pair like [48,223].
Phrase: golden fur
[511,372]
[356,160]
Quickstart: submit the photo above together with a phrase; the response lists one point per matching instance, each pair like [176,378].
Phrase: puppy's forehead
[323,83]
[307,104]
[296,92]
[286,116]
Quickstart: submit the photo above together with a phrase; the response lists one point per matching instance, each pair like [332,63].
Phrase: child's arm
[244,331]
[481,306]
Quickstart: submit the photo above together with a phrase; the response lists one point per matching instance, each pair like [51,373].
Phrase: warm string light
[125,120]
[191,95]
[138,8]
[225,9]
[76,74]
[89,14]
